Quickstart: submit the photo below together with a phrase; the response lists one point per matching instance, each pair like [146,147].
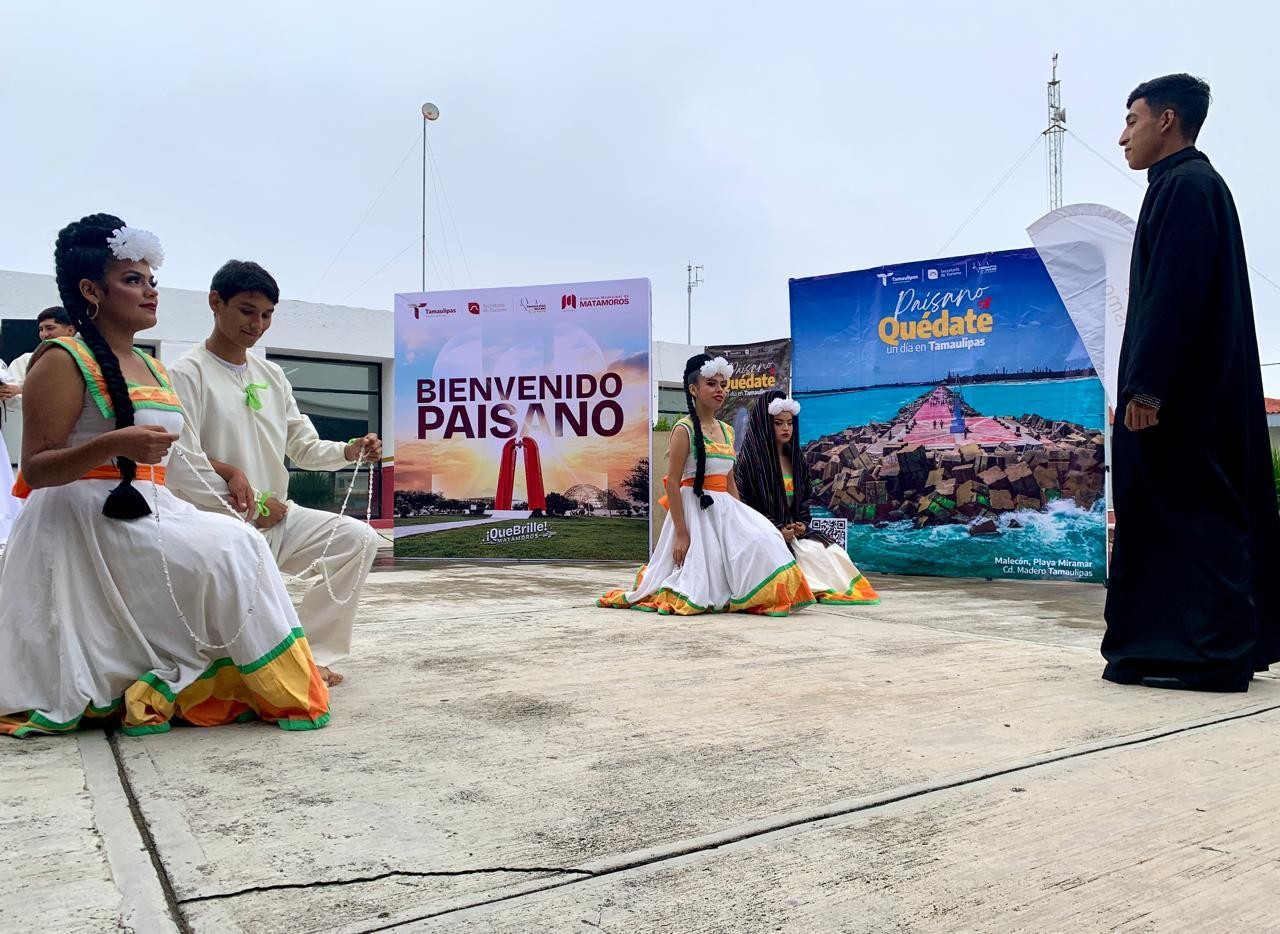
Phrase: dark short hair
[238,275]
[57,314]
[1186,95]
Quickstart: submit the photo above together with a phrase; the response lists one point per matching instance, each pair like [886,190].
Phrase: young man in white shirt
[242,422]
[52,322]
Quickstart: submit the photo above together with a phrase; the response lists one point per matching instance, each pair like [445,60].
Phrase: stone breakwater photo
[940,462]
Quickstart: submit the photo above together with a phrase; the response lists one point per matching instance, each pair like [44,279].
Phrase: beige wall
[661,440]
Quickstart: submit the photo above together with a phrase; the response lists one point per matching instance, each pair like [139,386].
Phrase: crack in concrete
[390,874]
[148,841]
[671,852]
[764,829]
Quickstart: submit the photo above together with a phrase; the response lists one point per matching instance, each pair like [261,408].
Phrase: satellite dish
[431,111]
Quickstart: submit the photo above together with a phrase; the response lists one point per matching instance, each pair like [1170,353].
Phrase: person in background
[52,322]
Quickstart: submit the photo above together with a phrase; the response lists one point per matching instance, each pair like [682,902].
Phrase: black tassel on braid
[692,373]
[82,253]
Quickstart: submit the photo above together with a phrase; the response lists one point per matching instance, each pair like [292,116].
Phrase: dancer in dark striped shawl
[773,478]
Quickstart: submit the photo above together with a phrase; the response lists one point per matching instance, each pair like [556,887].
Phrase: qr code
[835,529]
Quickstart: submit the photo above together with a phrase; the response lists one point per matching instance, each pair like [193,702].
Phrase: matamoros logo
[423,308]
[572,300]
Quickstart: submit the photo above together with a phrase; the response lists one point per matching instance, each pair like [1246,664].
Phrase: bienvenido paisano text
[576,404]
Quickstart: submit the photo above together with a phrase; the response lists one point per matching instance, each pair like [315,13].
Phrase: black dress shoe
[1208,685]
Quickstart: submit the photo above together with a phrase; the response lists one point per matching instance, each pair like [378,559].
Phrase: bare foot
[331,677]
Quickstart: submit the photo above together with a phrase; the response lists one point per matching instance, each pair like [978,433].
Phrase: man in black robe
[1194,593]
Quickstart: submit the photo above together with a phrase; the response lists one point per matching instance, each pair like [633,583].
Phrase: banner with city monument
[522,422]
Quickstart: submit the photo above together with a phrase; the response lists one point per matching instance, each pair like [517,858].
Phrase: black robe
[1194,588]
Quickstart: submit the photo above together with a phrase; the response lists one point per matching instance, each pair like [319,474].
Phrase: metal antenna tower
[1054,137]
[695,280]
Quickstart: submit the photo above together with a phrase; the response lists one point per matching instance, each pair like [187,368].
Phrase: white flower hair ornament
[134,243]
[778,406]
[717,367]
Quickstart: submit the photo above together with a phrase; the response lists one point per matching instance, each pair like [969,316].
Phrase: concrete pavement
[506,757]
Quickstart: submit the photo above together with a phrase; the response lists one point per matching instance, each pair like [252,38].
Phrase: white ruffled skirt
[737,562]
[88,627]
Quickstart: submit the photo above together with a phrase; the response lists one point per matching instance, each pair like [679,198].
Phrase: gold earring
[94,312]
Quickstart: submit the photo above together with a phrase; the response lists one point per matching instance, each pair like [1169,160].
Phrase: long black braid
[82,253]
[693,373]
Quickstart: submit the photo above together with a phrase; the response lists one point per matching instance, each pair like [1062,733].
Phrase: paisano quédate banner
[522,422]
[952,415]
[757,368]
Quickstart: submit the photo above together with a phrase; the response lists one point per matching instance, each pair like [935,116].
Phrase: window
[343,399]
[671,403]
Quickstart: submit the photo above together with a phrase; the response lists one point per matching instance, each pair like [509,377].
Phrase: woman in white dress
[774,479]
[115,606]
[715,554]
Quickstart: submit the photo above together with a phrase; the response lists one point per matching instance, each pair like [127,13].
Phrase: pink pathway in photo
[938,411]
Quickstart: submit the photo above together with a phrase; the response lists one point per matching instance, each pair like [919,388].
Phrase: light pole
[430,112]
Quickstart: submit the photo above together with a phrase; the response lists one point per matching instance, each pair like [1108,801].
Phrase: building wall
[667,365]
[304,329]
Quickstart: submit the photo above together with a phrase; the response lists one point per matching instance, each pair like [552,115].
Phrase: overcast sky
[578,141]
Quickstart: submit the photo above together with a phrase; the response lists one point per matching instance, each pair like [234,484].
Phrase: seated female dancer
[714,554]
[117,606]
[774,479]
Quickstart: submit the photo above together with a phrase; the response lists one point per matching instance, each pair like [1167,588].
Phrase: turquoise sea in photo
[1070,400]
[1064,542]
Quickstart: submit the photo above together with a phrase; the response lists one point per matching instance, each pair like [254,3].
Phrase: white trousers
[296,543]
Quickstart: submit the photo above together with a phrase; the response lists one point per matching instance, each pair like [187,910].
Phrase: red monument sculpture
[532,475]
